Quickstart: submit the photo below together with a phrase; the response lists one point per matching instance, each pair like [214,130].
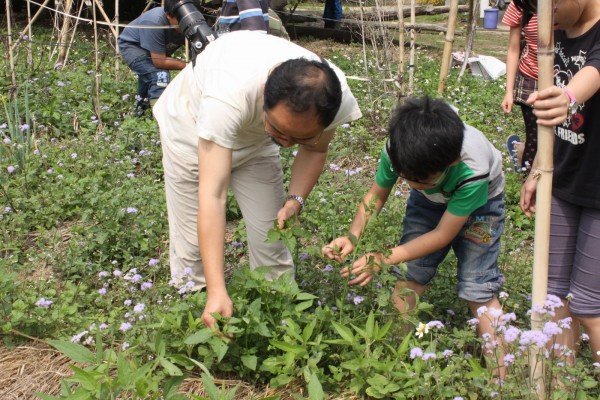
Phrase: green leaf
[74,351]
[289,347]
[46,396]
[370,325]
[305,296]
[315,390]
[202,336]
[343,331]
[84,378]
[209,385]
[170,387]
[250,362]
[170,368]
[303,306]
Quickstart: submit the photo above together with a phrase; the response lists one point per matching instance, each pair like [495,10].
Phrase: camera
[194,26]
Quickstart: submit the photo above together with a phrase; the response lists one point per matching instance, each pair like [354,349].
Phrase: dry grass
[36,367]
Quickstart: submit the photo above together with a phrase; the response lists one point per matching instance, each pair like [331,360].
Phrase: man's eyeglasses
[276,134]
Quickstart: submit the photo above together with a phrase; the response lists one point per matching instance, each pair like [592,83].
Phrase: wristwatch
[573,103]
[297,198]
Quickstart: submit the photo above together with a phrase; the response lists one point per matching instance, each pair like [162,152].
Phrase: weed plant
[84,261]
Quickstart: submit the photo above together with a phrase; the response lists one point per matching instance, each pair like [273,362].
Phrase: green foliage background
[84,226]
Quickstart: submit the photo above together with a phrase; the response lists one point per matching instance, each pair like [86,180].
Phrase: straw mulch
[30,368]
[36,367]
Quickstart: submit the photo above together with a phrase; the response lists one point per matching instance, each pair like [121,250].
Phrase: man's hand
[338,249]
[527,201]
[363,268]
[219,303]
[289,209]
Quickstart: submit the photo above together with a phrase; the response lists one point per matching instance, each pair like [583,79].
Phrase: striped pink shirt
[528,63]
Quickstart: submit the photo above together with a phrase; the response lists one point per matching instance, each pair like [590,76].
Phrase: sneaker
[511,141]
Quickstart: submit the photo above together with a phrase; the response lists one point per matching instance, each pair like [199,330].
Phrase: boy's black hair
[425,137]
[303,85]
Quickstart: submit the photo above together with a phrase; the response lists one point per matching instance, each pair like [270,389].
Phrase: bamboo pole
[474,7]
[62,38]
[29,48]
[30,22]
[401,82]
[98,74]
[545,163]
[117,51]
[448,46]
[411,63]
[11,59]
[364,46]
[74,32]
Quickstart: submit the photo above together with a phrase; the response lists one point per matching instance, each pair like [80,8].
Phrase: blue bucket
[490,18]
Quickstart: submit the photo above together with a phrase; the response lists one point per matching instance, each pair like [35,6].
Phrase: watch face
[572,108]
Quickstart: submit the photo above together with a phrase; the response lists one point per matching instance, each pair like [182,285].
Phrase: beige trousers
[257,184]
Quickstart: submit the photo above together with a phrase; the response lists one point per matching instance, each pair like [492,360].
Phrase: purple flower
[328,268]
[304,257]
[416,352]
[551,328]
[6,140]
[450,312]
[481,310]
[130,175]
[127,302]
[511,334]
[237,244]
[43,303]
[358,299]
[139,307]
[124,346]
[10,169]
[116,272]
[136,278]
[125,326]
[429,356]
[102,274]
[509,359]
[126,96]
[153,262]
[533,337]
[435,324]
[103,327]
[131,210]
[473,321]
[60,83]
[145,286]
[102,291]
[448,353]
[24,127]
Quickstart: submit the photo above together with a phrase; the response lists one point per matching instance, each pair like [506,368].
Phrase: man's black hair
[304,85]
[425,137]
[170,6]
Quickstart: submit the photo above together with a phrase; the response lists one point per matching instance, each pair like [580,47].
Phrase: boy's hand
[363,268]
[338,249]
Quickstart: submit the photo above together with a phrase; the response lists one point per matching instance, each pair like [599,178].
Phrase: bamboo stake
[13,76]
[545,164]
[74,32]
[474,7]
[30,22]
[448,46]
[364,46]
[411,63]
[97,75]
[117,51]
[400,82]
[62,39]
[29,48]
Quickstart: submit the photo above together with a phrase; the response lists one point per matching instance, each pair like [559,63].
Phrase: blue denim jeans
[476,247]
[151,80]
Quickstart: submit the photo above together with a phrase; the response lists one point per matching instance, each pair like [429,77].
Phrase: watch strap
[296,198]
